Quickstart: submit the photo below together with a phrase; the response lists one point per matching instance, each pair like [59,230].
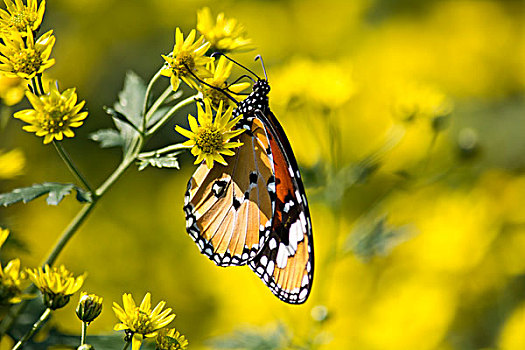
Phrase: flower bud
[89,307]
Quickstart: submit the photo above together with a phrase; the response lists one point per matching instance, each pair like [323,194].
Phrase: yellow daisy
[225,35]
[57,284]
[25,58]
[187,60]
[209,138]
[20,17]
[141,322]
[171,340]
[221,73]
[54,114]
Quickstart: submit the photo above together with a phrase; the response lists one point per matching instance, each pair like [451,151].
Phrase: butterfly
[254,210]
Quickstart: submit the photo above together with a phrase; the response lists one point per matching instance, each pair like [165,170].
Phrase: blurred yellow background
[407,119]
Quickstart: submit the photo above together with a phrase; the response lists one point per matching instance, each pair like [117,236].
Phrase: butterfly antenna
[237,63]
[211,86]
[258,57]
[241,77]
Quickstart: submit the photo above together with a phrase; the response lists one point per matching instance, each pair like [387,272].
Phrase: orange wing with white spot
[286,261]
[229,209]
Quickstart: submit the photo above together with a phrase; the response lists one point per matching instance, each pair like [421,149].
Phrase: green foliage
[131,99]
[126,114]
[159,113]
[56,192]
[107,138]
[166,161]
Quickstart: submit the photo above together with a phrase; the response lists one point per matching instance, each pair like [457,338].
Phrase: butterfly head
[262,87]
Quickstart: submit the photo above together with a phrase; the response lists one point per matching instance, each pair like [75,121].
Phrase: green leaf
[166,161]
[131,99]
[159,113]
[127,111]
[107,138]
[55,191]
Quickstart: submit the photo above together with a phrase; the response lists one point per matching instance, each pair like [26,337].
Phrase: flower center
[209,140]
[27,61]
[22,20]
[184,63]
[142,322]
[54,119]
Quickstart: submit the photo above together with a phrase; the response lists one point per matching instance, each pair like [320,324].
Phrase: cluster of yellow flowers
[57,285]
[25,58]
[190,62]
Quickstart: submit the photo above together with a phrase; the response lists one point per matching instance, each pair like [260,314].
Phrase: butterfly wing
[229,209]
[286,260]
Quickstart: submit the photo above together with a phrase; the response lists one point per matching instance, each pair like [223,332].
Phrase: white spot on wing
[305,281]
[303,294]
[273,244]
[270,267]
[282,256]
[264,260]
[296,235]
[298,196]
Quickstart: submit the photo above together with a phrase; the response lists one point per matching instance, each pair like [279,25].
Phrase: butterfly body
[254,211]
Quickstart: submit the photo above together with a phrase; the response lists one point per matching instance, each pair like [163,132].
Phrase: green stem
[126,345]
[170,113]
[157,104]
[69,232]
[84,333]
[146,97]
[33,329]
[160,151]
[71,166]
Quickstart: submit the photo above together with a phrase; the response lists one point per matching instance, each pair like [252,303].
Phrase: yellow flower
[11,163]
[171,340]
[12,281]
[89,307]
[25,58]
[20,17]
[53,115]
[221,73]
[413,101]
[12,89]
[186,60]
[57,284]
[209,138]
[226,35]
[141,322]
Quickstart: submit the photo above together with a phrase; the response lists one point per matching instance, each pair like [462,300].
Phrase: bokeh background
[407,119]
